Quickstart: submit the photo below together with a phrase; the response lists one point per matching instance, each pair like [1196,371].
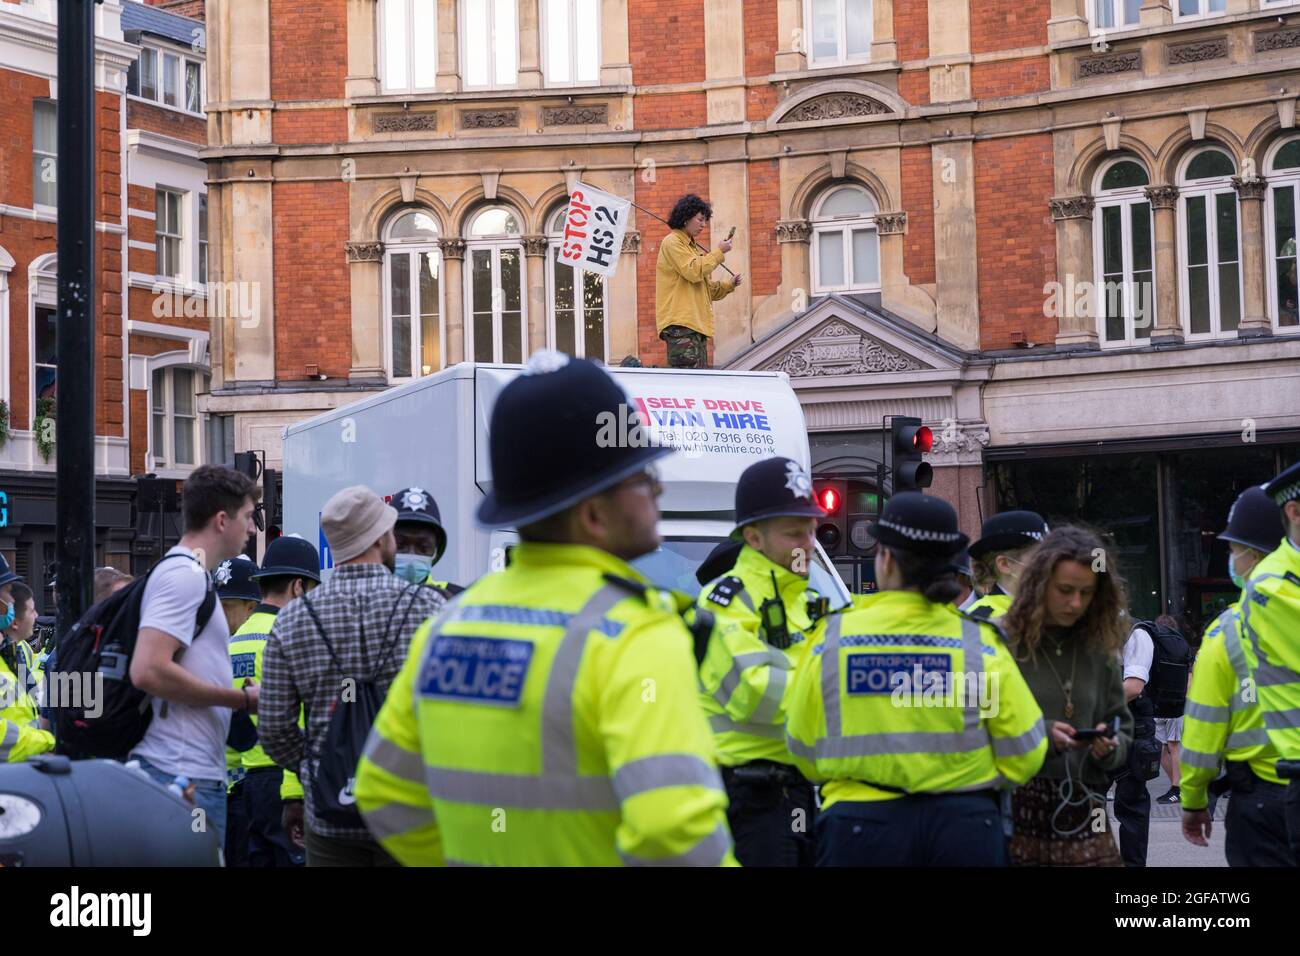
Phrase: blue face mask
[413,567]
[1237,580]
[7,621]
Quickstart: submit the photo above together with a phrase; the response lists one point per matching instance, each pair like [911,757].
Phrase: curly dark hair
[686,208]
[1102,625]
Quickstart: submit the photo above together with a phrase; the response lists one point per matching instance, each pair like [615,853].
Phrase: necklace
[1067,687]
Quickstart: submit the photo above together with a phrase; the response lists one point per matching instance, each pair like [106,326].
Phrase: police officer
[966,581]
[1270,619]
[999,554]
[421,539]
[1224,720]
[549,716]
[913,712]
[233,580]
[272,797]
[763,609]
[22,733]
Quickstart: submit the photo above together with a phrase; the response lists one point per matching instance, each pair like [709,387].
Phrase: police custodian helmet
[234,579]
[415,505]
[1255,521]
[774,488]
[557,435]
[920,524]
[290,556]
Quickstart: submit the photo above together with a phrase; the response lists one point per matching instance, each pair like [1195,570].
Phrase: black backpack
[1171,664]
[349,726]
[103,642]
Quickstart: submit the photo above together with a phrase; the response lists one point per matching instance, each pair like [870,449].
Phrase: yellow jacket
[21,735]
[1270,617]
[549,717]
[684,293]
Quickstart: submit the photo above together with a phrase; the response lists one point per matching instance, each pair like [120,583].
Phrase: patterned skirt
[1043,837]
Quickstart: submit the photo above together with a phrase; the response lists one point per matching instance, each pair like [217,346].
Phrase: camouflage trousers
[686,347]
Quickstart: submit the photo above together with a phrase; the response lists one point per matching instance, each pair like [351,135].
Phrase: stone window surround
[363,46]
[1208,189]
[1071,22]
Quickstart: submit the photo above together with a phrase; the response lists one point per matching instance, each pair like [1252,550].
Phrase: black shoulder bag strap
[413,590]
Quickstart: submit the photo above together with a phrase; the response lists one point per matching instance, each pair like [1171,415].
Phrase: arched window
[1209,284]
[577,327]
[845,247]
[1282,169]
[412,295]
[494,287]
[1123,253]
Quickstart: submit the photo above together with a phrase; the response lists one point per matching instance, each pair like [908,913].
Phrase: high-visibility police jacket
[247,645]
[20,730]
[744,679]
[548,717]
[911,695]
[1270,616]
[994,604]
[1223,716]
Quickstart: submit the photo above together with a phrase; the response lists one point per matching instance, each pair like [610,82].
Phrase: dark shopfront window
[1137,499]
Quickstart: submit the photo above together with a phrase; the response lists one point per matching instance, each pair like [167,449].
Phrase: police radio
[772,614]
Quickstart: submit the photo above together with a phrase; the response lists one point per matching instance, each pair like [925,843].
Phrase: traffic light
[831,531]
[909,439]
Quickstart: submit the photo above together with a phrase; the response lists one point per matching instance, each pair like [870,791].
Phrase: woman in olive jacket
[1065,631]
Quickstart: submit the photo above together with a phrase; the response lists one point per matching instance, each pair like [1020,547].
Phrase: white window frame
[573,45]
[184,56]
[841,57]
[408,8]
[1094,21]
[1276,179]
[495,245]
[413,247]
[202,224]
[554,241]
[847,225]
[182,274]
[164,464]
[1207,188]
[42,292]
[45,207]
[492,83]
[1124,198]
[1202,11]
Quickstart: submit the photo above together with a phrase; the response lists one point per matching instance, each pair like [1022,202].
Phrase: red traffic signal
[829,499]
[923,440]
[909,440]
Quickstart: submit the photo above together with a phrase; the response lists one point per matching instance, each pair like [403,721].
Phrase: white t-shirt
[183,739]
[1139,651]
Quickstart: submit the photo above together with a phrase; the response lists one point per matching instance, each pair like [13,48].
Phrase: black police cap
[290,556]
[1286,486]
[921,524]
[560,432]
[1255,521]
[417,506]
[1008,531]
[234,579]
[775,488]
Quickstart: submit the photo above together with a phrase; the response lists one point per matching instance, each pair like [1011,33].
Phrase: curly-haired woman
[1065,631]
[684,293]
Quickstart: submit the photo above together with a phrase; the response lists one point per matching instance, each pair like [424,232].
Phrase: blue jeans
[209,796]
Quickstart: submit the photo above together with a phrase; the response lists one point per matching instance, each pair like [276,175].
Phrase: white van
[433,434]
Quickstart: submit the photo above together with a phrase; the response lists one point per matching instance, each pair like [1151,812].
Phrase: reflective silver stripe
[1255,737]
[722,724]
[523,791]
[770,705]
[1271,675]
[1197,758]
[1205,712]
[1232,644]
[395,760]
[1021,745]
[1282,719]
[974,664]
[874,745]
[743,662]
[559,751]
[450,862]
[664,770]
[746,600]
[394,819]
[11,740]
[831,676]
[800,749]
[708,852]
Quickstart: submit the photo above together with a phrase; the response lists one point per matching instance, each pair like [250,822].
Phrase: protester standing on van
[188,675]
[763,610]
[352,630]
[684,293]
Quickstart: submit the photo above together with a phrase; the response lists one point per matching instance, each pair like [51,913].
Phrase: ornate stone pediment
[835,106]
[836,348]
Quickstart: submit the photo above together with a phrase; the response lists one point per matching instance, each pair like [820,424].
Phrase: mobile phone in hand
[732,233]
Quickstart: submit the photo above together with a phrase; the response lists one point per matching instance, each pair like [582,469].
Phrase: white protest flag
[593,230]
